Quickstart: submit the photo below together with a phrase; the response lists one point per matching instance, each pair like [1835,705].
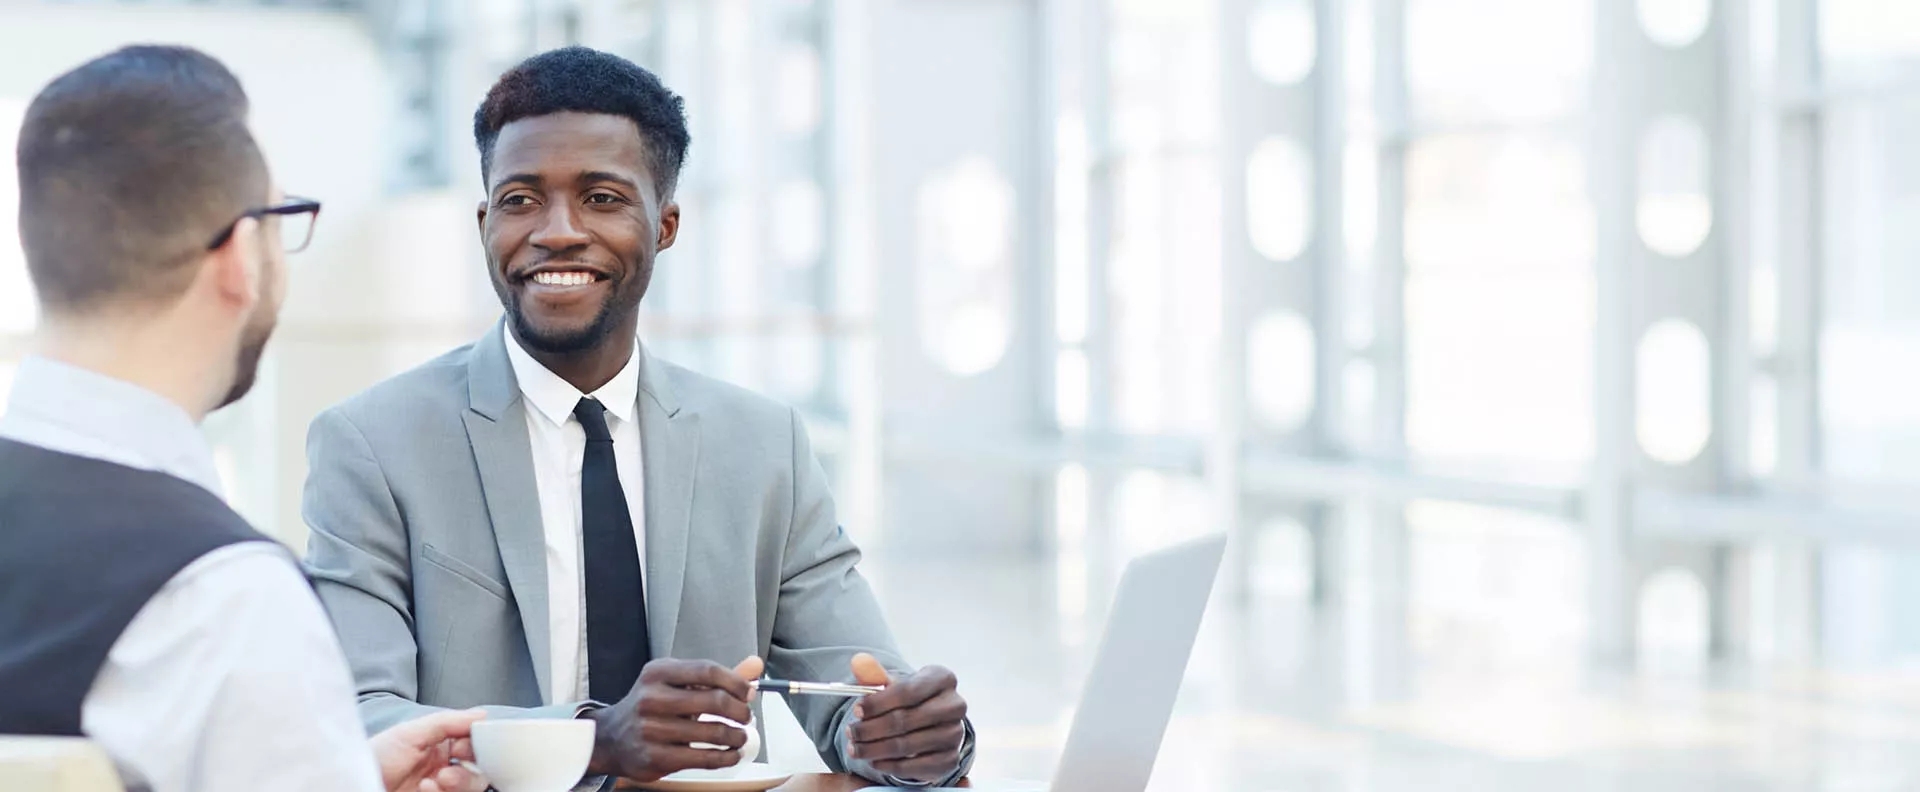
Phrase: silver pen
[788,688]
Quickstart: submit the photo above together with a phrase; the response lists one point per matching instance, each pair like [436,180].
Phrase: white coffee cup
[533,755]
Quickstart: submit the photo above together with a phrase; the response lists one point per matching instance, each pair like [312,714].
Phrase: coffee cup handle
[749,752]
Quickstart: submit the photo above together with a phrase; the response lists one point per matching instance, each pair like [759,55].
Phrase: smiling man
[550,522]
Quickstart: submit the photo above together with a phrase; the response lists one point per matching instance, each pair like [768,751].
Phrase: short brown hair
[129,166]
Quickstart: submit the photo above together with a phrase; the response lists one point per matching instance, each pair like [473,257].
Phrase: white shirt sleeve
[231,679]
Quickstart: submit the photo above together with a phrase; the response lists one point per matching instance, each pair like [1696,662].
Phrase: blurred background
[1554,363]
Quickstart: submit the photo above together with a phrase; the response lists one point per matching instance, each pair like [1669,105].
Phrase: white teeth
[563,278]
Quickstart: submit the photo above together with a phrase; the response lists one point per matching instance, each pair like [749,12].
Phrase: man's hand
[649,734]
[417,756]
[913,730]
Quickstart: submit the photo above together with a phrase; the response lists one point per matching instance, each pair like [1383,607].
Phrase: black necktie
[617,640]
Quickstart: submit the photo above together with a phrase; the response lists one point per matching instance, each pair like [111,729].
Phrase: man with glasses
[136,609]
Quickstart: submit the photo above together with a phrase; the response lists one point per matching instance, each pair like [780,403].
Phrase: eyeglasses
[295,216]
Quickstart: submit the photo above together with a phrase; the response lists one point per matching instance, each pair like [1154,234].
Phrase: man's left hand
[417,756]
[914,729]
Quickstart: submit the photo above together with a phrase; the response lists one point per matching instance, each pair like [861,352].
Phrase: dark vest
[83,545]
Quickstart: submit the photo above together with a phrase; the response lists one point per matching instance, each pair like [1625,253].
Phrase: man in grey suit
[549,522]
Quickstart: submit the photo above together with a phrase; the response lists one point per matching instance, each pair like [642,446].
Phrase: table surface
[815,783]
[824,783]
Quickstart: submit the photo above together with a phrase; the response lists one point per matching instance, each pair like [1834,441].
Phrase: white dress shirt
[229,679]
[559,447]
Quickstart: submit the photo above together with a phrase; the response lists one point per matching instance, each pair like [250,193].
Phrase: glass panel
[1153,510]
[799,98]
[1506,204]
[1673,621]
[1672,380]
[1164,286]
[1359,67]
[1500,235]
[1361,204]
[794,366]
[1163,58]
[799,223]
[1361,173]
[736,258]
[1280,370]
[1763,440]
[1362,386]
[1070,382]
[965,276]
[627,28]
[505,32]
[1475,60]
[1674,212]
[1870,342]
[1072,288]
[1283,559]
[1866,594]
[1163,245]
[1137,281]
[1763,300]
[1071,499]
[1478,390]
[1279,198]
[1675,23]
[1867,40]
[1280,40]
[1492,589]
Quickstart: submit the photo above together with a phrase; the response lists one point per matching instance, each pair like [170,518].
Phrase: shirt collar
[555,398]
[75,410]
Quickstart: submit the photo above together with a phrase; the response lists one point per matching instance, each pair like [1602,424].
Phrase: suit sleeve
[827,613]
[359,559]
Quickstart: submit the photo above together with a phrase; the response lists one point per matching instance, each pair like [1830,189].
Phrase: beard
[246,368]
[253,336]
[567,342]
[621,303]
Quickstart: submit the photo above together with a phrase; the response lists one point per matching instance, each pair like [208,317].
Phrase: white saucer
[742,778]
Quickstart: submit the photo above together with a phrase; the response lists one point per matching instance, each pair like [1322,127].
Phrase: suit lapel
[497,430]
[670,449]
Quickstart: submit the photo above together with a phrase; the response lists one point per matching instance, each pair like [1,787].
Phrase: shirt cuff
[590,783]
[866,770]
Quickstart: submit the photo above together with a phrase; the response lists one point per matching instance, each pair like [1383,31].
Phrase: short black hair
[129,166]
[583,80]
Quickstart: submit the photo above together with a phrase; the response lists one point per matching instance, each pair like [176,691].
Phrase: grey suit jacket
[428,551]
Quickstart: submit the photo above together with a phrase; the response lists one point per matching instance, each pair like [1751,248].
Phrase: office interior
[1553,364]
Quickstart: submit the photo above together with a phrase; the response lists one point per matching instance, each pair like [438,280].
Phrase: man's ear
[480,216]
[234,268]
[669,225]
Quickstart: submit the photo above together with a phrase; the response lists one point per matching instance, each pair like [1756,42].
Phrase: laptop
[1136,674]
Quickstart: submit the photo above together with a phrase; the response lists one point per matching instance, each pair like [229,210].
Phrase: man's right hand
[649,734]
